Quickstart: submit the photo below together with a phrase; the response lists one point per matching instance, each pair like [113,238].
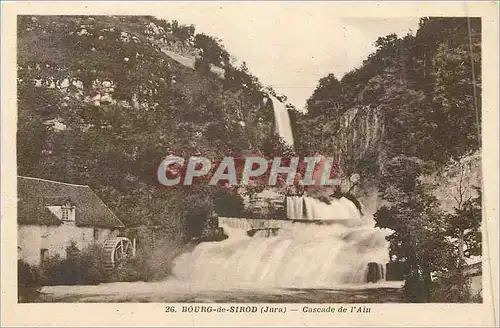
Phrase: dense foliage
[423,85]
[86,267]
[104,105]
[80,267]
[426,90]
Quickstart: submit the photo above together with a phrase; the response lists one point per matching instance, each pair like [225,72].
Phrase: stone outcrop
[375,272]
[359,145]
[359,136]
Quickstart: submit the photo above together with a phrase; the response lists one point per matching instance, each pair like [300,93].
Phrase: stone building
[52,215]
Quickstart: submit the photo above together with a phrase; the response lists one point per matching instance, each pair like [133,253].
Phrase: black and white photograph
[200,158]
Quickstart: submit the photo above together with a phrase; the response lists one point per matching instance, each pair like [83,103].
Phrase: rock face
[359,147]
[394,271]
[359,144]
[359,136]
[375,272]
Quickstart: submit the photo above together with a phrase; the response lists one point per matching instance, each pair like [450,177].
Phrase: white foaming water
[282,119]
[301,255]
[309,208]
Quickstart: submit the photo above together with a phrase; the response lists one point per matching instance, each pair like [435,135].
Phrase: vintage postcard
[249,163]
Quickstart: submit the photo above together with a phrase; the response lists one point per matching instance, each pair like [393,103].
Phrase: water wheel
[117,250]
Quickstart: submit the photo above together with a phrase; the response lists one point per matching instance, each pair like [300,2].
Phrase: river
[175,291]
[304,263]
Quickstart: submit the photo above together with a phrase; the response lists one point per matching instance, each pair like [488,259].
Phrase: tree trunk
[427,287]
[461,254]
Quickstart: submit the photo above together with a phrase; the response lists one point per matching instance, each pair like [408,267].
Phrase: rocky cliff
[360,145]
[417,96]
[359,136]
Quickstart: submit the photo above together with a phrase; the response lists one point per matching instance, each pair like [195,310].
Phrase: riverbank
[175,291]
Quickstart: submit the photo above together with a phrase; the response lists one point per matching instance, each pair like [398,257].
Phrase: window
[68,212]
[96,233]
[43,255]
[65,213]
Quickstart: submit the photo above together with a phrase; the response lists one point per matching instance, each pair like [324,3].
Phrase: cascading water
[282,119]
[309,208]
[344,252]
[341,251]
[301,255]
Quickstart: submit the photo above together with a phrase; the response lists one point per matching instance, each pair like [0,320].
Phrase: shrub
[153,260]
[27,275]
[228,203]
[453,287]
[28,282]
[51,271]
[415,290]
[90,265]
[134,269]
[81,267]
[202,65]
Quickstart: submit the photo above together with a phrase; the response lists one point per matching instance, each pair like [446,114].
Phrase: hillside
[414,96]
[101,103]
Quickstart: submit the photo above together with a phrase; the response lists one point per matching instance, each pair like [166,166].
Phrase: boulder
[375,272]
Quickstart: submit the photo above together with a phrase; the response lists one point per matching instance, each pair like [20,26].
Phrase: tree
[418,241]
[228,203]
[454,94]
[183,32]
[212,50]
[463,226]
[325,99]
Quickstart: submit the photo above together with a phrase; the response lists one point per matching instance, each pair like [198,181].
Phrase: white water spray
[309,208]
[336,253]
[301,255]
[282,119]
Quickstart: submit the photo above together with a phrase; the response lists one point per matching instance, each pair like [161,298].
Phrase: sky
[291,47]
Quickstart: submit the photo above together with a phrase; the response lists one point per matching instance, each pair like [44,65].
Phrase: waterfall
[340,252]
[290,253]
[301,255]
[283,127]
[309,208]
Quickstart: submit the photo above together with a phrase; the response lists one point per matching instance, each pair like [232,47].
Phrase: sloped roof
[34,195]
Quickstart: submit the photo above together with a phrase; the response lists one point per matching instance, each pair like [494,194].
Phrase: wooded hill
[100,104]
[424,86]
